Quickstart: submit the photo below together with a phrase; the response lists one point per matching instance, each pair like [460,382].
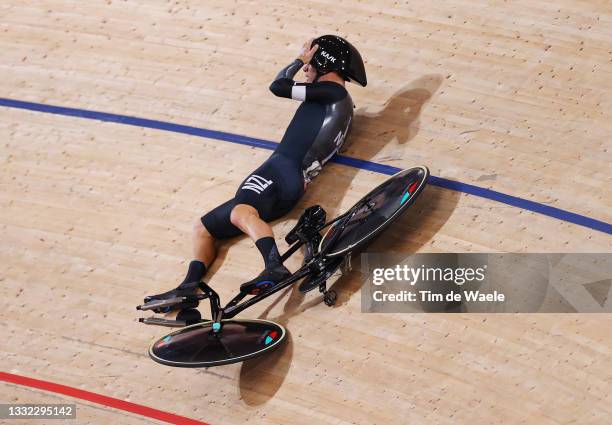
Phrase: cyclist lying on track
[315,134]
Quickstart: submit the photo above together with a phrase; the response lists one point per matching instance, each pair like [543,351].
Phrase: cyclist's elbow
[281,87]
[275,87]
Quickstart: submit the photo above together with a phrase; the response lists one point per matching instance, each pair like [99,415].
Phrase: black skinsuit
[314,135]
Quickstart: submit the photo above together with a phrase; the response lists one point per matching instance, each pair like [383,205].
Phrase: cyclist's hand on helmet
[307,52]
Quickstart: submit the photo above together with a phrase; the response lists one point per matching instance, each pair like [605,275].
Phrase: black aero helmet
[337,54]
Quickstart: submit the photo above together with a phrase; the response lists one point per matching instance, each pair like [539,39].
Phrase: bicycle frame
[234,306]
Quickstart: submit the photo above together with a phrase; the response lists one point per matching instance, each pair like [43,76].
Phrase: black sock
[196,272]
[269,250]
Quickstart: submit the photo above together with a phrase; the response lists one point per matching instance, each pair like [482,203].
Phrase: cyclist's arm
[324,91]
[289,71]
[284,86]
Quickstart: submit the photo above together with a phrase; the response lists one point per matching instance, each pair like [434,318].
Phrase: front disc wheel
[200,345]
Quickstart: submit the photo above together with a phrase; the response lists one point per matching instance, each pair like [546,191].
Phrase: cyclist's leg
[256,199]
[204,246]
[261,198]
[211,227]
[246,218]
[266,195]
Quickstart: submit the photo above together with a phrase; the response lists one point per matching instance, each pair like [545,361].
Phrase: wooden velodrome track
[512,96]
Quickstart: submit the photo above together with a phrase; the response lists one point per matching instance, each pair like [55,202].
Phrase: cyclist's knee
[241,213]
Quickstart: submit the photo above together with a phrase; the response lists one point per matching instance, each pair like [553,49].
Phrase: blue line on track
[482,192]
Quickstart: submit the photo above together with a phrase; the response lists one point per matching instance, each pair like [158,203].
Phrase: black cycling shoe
[269,278]
[188,291]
